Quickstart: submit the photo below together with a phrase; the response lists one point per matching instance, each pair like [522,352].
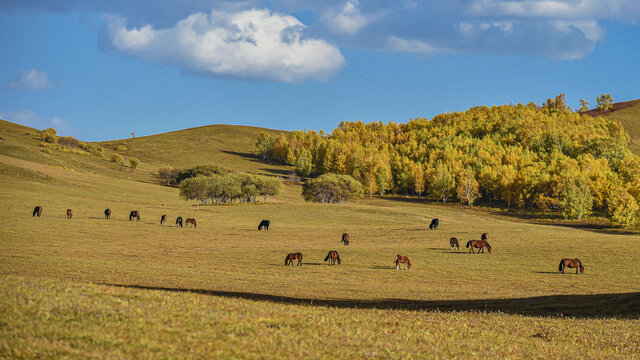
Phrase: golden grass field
[90,287]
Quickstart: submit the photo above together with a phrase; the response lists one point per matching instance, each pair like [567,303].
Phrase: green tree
[622,208]
[264,145]
[195,188]
[577,200]
[604,101]
[303,162]
[332,188]
[167,174]
[468,187]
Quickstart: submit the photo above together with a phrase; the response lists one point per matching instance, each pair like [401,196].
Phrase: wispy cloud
[346,19]
[250,44]
[31,80]
[29,118]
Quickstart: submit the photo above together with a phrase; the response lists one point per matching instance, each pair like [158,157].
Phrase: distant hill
[628,114]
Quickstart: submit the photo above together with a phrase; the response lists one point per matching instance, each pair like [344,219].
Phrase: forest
[535,157]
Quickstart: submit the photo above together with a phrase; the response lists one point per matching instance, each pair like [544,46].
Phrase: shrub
[332,188]
[49,135]
[205,170]
[116,158]
[134,162]
[121,148]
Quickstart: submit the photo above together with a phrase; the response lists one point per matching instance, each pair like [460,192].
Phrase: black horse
[345,239]
[434,224]
[107,214]
[37,211]
[163,219]
[264,224]
[179,221]
[135,214]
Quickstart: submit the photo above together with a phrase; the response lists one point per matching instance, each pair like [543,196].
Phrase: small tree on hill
[195,188]
[584,105]
[167,174]
[303,163]
[134,163]
[49,135]
[604,101]
[117,158]
[264,145]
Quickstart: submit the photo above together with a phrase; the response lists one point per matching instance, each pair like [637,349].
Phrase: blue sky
[99,70]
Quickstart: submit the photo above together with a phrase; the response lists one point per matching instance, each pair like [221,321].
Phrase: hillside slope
[628,114]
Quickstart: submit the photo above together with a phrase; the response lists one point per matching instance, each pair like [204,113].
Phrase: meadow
[90,287]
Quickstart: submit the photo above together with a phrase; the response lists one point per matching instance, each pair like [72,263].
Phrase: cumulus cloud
[251,44]
[558,8]
[29,118]
[347,19]
[31,80]
[397,44]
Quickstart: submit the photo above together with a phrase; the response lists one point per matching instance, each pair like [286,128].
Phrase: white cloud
[251,44]
[31,80]
[572,9]
[29,118]
[589,28]
[410,46]
[469,28]
[346,20]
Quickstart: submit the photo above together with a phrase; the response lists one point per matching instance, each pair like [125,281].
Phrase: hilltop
[628,114]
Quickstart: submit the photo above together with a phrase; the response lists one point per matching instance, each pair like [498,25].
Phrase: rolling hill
[628,114]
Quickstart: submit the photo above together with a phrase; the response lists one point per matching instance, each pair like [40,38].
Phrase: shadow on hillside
[625,305]
[595,228]
[281,172]
[242,154]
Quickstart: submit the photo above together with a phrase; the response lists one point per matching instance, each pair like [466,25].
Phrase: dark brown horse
[570,263]
[478,244]
[332,256]
[69,213]
[163,219]
[434,224]
[179,221]
[190,221]
[484,237]
[37,211]
[135,214]
[345,239]
[293,256]
[454,244]
[107,214]
[402,262]
[264,224]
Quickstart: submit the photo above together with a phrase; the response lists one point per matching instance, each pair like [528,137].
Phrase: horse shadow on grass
[624,305]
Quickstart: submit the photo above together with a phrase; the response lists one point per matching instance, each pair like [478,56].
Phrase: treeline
[228,188]
[533,157]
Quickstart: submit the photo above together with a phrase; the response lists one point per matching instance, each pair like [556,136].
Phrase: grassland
[629,117]
[113,288]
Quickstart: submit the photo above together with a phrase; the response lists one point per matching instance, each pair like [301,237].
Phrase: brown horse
[345,239]
[190,221]
[570,263]
[402,262]
[37,211]
[293,256]
[69,213]
[454,244]
[135,214]
[484,237]
[107,214]
[478,244]
[163,219]
[332,256]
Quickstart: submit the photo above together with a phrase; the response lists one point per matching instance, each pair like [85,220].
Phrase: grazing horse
[570,263]
[434,224]
[332,256]
[190,221]
[293,256]
[107,214]
[163,219]
[37,211]
[135,214]
[179,221]
[402,262]
[478,244]
[454,244]
[69,213]
[264,224]
[345,239]
[484,237]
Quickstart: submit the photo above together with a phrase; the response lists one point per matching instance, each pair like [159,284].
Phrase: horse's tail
[327,258]
[286,260]
[561,266]
[468,243]
[339,260]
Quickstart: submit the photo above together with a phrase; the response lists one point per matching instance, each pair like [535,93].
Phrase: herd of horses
[402,262]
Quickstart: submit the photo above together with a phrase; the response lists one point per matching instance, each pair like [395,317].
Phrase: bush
[206,170]
[133,163]
[332,188]
[121,148]
[168,174]
[116,158]
[227,188]
[49,135]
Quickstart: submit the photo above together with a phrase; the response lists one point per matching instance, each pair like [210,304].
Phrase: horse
[402,262]
[163,219]
[107,214]
[190,221]
[454,244]
[293,256]
[135,214]
[484,237]
[345,239]
[69,213]
[332,256]
[570,263]
[179,221]
[37,211]
[264,224]
[434,224]
[478,244]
